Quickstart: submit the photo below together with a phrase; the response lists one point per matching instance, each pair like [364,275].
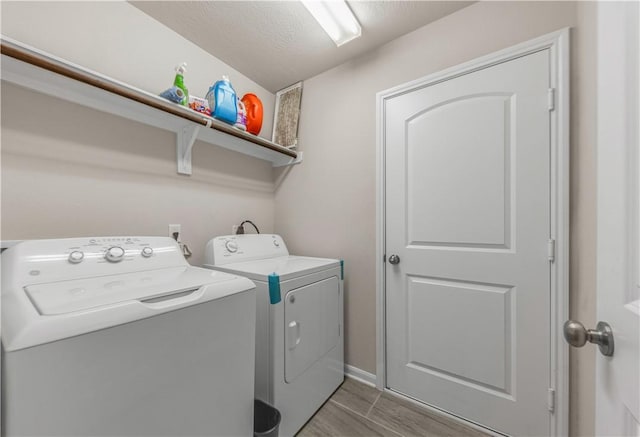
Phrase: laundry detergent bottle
[253,106]
[179,82]
[241,121]
[222,101]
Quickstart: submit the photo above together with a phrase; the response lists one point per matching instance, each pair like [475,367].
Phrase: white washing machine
[299,328]
[119,336]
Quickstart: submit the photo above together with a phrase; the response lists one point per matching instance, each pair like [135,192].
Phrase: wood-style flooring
[357,409]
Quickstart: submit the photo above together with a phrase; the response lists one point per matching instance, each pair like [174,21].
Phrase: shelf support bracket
[292,161]
[185,138]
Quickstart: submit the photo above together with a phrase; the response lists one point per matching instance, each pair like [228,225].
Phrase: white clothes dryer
[299,322]
[120,336]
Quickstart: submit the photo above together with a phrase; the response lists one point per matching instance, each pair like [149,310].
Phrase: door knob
[394,259]
[577,336]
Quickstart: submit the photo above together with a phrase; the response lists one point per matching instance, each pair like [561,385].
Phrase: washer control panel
[49,260]
[114,249]
[237,248]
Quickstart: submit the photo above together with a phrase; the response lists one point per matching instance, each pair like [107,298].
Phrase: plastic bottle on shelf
[179,82]
[223,101]
[241,120]
[253,105]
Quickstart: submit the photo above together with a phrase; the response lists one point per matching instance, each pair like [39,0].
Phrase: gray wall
[71,171]
[78,172]
[326,206]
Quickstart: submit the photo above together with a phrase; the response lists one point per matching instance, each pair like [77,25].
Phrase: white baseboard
[360,375]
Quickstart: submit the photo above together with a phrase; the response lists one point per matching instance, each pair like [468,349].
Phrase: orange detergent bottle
[253,105]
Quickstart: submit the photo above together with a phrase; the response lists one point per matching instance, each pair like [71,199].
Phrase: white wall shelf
[36,70]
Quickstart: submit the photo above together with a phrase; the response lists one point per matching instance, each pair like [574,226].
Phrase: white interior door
[618,377]
[467,164]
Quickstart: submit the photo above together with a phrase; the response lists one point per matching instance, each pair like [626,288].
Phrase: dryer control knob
[146,252]
[276,243]
[76,257]
[231,246]
[114,254]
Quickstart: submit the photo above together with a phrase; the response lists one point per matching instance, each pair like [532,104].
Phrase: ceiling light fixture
[336,19]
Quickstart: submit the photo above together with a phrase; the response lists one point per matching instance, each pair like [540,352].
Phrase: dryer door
[312,325]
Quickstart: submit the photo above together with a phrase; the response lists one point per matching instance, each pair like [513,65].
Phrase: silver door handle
[577,336]
[394,259]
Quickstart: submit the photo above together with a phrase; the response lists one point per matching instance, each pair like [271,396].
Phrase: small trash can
[266,420]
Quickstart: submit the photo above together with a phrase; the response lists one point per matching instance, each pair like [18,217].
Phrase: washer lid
[286,267]
[82,294]
[41,313]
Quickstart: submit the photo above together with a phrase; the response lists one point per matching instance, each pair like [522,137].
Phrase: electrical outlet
[173,229]
[234,229]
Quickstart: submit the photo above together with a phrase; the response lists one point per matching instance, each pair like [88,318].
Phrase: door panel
[437,157]
[467,176]
[312,324]
[434,304]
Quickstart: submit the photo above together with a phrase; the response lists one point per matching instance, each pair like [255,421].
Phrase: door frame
[558,45]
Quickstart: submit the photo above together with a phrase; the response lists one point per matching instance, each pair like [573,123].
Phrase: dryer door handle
[294,334]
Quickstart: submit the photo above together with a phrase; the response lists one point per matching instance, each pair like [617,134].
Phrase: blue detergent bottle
[222,101]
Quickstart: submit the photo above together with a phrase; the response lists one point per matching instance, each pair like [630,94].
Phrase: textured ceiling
[277,43]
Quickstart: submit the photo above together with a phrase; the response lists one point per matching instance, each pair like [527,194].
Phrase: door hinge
[551,250]
[552,99]
[384,258]
[551,400]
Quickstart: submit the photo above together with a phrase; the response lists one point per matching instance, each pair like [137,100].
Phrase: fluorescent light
[336,19]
